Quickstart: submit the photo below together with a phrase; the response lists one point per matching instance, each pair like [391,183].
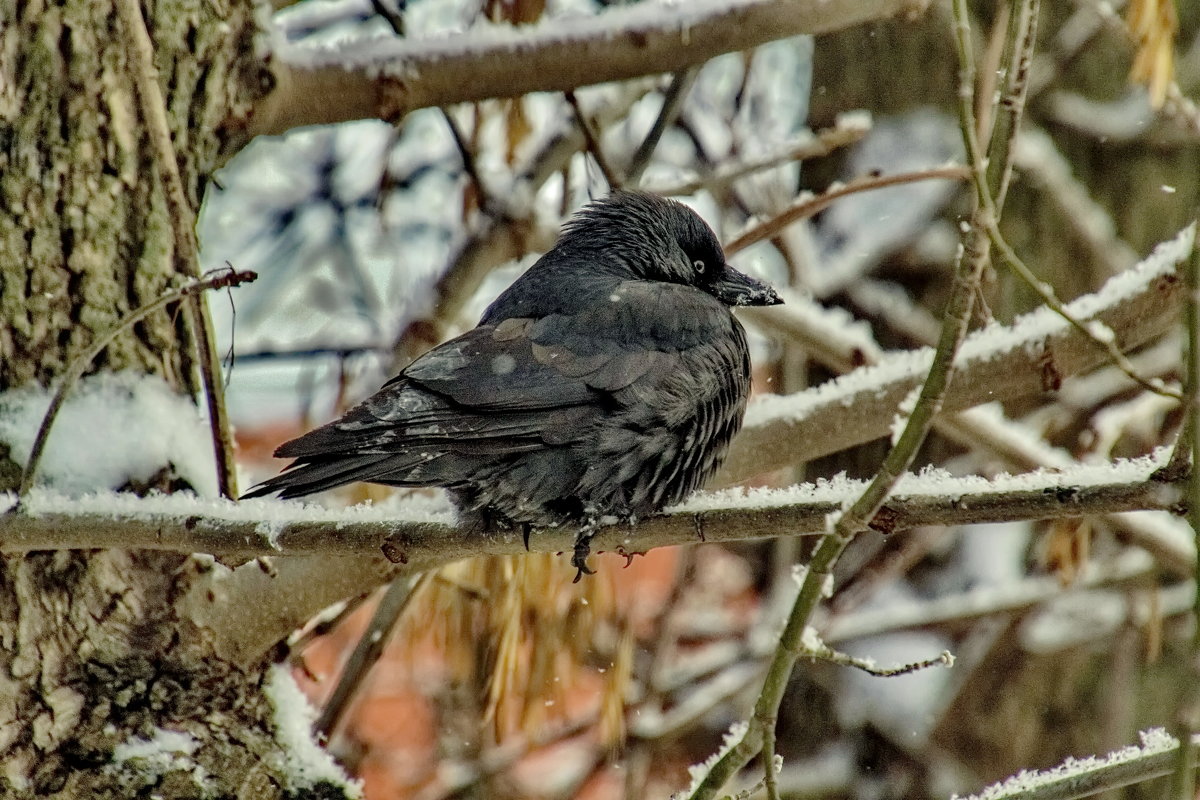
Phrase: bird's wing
[617,373]
[522,383]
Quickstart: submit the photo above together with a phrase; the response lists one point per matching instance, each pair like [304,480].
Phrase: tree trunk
[93,652]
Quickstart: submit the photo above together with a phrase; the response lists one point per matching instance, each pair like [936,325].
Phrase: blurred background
[501,679]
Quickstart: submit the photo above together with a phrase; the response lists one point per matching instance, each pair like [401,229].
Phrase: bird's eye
[698,265]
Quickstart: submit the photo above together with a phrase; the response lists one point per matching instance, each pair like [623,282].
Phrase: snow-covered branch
[1080,777]
[419,538]
[389,77]
[999,362]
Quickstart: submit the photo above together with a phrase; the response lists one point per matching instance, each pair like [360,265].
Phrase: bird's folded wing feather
[522,383]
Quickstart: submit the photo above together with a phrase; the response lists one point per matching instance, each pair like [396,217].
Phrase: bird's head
[662,240]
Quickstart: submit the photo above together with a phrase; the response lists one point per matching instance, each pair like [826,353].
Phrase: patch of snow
[114,428]
[305,763]
[903,412]
[1072,619]
[993,554]
[164,752]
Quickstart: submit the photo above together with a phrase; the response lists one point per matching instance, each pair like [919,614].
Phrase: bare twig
[393,17]
[469,166]
[848,523]
[593,142]
[815,648]
[77,367]
[809,206]
[366,652]
[183,225]
[849,129]
[770,779]
[681,84]
[1021,38]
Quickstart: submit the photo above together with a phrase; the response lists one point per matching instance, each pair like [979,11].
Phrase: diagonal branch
[997,363]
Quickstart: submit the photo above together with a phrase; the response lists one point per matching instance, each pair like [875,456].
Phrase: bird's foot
[583,548]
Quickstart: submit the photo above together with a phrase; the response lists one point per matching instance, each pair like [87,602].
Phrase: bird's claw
[583,548]
[525,530]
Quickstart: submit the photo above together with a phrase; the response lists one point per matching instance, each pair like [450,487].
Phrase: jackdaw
[608,380]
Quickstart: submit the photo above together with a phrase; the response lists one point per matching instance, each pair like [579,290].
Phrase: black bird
[608,379]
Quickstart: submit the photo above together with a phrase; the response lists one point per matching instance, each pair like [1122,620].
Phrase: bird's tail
[307,476]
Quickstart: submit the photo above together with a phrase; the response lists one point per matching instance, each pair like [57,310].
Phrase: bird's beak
[736,289]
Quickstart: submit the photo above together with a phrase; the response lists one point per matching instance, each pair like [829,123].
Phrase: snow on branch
[996,363]
[386,78]
[420,536]
[1157,755]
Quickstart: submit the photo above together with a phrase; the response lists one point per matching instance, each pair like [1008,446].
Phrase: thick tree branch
[388,78]
[286,528]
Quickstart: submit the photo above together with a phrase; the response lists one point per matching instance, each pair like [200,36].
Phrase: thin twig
[81,362]
[310,352]
[394,18]
[809,206]
[325,622]
[486,201]
[989,220]
[183,226]
[815,648]
[593,142]
[366,652]
[850,129]
[673,99]
[1022,36]
[847,524]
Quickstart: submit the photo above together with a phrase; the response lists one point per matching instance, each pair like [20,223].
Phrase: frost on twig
[1081,777]
[814,647]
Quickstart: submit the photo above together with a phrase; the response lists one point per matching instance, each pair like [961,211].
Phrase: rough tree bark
[92,650]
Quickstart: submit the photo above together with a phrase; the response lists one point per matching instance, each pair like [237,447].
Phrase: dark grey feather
[608,379]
